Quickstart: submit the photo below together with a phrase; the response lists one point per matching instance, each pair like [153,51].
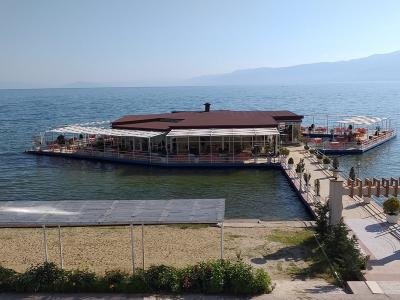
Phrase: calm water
[249,193]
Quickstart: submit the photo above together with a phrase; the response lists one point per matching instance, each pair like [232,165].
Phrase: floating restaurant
[181,138]
[209,138]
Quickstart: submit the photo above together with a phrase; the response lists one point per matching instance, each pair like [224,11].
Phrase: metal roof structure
[361,120]
[205,120]
[110,212]
[224,132]
[77,129]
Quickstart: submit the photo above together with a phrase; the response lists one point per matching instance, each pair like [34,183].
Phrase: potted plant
[326,161]
[391,207]
[320,157]
[290,163]
[284,152]
[335,167]
[317,187]
[307,178]
[312,151]
[352,174]
[306,148]
[300,168]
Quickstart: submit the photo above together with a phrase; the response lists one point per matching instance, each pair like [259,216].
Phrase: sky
[52,43]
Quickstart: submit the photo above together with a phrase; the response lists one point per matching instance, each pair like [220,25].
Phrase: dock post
[46,255]
[336,192]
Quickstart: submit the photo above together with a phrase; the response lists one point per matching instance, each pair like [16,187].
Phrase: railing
[357,145]
[378,139]
[303,187]
[148,157]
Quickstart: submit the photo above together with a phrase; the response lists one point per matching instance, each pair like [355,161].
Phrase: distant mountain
[378,67]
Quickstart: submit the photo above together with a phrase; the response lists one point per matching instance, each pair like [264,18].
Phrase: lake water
[249,193]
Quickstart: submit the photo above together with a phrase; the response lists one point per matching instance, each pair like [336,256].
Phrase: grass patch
[189,226]
[292,238]
[301,243]
[230,236]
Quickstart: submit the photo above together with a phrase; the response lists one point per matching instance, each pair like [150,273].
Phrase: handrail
[167,158]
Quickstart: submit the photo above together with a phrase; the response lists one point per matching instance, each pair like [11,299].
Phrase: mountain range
[378,67]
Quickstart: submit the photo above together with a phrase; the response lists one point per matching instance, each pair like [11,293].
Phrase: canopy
[224,132]
[110,212]
[361,120]
[77,129]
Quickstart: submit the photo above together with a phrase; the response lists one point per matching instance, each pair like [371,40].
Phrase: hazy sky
[54,42]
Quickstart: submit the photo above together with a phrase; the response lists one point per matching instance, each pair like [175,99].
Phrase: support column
[46,255]
[336,192]
[233,148]
[166,148]
[222,240]
[142,246]
[133,249]
[149,146]
[188,148]
[60,248]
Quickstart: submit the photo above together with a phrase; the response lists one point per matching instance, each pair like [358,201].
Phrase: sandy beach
[105,248]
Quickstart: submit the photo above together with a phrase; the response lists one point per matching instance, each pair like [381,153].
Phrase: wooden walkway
[367,221]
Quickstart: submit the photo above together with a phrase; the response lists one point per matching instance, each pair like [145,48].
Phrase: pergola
[362,120]
[239,133]
[77,129]
[68,213]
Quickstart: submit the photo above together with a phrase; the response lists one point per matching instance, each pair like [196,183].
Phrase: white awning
[224,132]
[361,120]
[76,129]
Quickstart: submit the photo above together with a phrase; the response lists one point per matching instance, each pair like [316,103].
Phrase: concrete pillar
[336,192]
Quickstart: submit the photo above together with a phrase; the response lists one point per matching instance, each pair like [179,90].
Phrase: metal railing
[155,157]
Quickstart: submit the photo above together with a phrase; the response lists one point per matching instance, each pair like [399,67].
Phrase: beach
[99,249]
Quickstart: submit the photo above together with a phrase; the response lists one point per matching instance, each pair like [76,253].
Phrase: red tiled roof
[200,119]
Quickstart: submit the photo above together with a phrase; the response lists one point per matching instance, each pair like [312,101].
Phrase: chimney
[207,107]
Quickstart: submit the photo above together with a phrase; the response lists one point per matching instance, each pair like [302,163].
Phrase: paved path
[191,297]
[376,237]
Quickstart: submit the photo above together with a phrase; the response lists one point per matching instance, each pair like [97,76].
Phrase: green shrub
[391,206]
[239,278]
[306,147]
[290,161]
[326,160]
[284,151]
[341,250]
[212,277]
[262,282]
[162,279]
[136,283]
[42,278]
[80,282]
[114,281]
[320,156]
[8,279]
[344,253]
[312,151]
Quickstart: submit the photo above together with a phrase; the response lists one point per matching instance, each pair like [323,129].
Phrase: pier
[377,238]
